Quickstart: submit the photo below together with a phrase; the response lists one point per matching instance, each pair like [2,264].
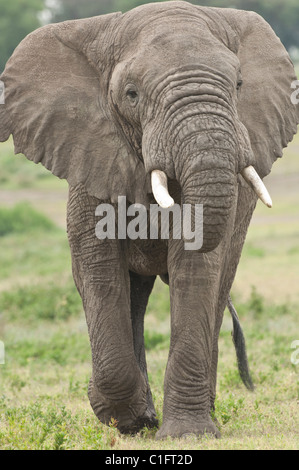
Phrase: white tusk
[251,176]
[160,191]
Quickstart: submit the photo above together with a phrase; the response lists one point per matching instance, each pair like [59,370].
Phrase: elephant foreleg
[141,287]
[117,388]
[193,281]
[246,205]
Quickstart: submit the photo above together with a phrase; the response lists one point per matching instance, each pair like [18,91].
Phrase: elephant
[169,103]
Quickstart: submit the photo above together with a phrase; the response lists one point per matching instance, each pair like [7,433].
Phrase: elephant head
[167,91]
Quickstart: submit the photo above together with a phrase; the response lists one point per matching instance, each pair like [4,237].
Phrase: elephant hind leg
[140,289]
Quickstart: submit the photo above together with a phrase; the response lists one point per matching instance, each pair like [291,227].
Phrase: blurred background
[43,402]
[20,17]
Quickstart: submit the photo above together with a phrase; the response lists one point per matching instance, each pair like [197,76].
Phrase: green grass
[37,302]
[19,173]
[43,383]
[23,218]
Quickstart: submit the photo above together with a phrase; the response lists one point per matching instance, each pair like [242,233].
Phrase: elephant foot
[130,417]
[177,428]
[150,421]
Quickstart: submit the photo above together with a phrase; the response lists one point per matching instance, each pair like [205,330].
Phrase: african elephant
[196,101]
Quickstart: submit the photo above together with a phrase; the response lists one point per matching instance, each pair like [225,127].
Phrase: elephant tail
[240,347]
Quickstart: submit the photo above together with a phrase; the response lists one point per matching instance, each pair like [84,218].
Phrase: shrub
[34,303]
[23,218]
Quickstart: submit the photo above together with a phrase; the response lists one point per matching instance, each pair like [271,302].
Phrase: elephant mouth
[214,218]
[250,175]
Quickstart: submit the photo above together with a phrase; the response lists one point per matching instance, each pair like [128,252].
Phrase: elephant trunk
[199,141]
[214,189]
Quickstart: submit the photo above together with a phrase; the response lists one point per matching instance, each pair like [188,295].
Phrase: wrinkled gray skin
[102,102]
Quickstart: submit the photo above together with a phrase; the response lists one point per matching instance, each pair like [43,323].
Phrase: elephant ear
[264,105]
[56,108]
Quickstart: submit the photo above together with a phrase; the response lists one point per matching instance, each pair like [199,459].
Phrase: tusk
[251,176]
[160,191]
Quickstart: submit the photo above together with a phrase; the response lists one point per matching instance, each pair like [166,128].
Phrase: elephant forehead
[176,29]
[168,54]
[162,45]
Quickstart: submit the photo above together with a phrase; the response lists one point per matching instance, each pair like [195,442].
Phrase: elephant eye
[132,95]
[239,84]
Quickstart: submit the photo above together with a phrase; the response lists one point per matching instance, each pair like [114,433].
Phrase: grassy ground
[43,400]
